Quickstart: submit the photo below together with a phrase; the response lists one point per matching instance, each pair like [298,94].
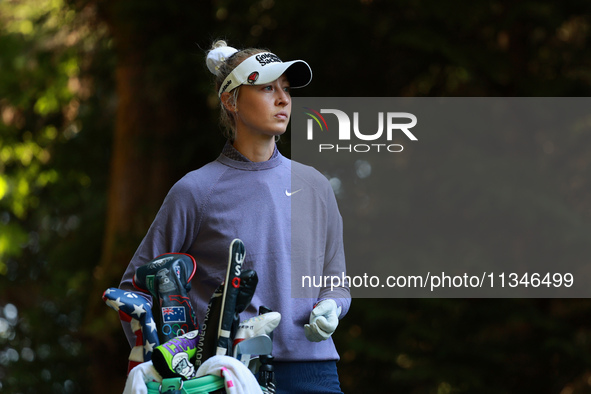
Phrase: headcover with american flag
[135,309]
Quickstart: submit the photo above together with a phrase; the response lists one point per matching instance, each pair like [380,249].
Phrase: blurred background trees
[105,104]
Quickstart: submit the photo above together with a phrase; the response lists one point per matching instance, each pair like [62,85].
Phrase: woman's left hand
[324,320]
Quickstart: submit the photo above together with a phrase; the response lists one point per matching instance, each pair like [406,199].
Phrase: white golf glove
[324,320]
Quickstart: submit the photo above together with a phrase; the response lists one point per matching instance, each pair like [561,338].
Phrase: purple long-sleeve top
[260,203]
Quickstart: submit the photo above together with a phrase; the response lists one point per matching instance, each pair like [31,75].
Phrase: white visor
[266,67]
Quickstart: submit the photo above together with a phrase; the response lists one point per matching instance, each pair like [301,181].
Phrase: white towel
[238,378]
[139,376]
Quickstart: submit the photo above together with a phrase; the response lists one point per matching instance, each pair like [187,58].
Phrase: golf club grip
[266,370]
[208,338]
[231,288]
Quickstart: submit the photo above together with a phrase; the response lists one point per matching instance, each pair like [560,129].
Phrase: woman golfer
[254,193]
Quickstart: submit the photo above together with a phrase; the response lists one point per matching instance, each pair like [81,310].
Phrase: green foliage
[51,196]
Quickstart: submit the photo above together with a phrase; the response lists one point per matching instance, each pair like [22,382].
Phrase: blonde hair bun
[220,51]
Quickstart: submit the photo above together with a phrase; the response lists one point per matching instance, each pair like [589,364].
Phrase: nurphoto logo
[384,133]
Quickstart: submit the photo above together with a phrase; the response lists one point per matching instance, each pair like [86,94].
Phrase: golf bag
[181,348]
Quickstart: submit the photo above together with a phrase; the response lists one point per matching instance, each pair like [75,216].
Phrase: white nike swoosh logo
[288,194]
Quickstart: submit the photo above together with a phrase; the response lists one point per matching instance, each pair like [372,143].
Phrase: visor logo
[226,85]
[266,58]
[253,77]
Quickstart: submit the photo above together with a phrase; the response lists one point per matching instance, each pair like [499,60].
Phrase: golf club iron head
[259,345]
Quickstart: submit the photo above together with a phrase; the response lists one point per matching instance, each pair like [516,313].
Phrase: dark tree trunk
[147,128]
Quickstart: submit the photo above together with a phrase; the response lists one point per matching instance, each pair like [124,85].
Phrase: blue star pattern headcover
[130,307]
